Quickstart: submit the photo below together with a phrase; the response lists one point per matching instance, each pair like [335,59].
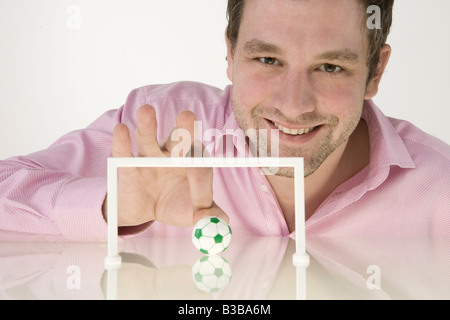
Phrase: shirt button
[264,188]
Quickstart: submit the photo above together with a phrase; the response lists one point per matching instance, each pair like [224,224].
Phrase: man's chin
[309,169]
[279,172]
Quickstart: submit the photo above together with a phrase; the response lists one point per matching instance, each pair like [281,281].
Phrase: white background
[63,63]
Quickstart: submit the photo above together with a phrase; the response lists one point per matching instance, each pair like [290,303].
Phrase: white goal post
[113,259]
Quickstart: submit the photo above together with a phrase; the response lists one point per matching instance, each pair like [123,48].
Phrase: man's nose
[295,94]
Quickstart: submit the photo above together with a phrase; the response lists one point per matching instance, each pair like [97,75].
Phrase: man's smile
[293,131]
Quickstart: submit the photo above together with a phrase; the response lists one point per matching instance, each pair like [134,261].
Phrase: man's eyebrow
[255,46]
[345,55]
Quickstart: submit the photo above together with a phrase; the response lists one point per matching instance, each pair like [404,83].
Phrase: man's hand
[174,196]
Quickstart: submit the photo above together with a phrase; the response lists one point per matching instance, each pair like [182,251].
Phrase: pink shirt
[405,190]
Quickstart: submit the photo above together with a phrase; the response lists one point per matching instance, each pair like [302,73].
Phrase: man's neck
[347,160]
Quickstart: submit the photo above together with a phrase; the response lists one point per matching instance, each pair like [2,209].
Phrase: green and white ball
[211,235]
[211,273]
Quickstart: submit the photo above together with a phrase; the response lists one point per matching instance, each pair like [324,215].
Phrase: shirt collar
[386,146]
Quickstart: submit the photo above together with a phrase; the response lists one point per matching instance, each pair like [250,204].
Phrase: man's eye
[269,61]
[330,68]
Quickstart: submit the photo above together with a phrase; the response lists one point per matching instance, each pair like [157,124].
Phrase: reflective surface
[251,268]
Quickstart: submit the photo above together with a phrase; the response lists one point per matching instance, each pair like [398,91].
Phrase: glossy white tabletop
[32,267]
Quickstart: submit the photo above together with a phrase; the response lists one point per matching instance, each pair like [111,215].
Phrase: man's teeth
[293,132]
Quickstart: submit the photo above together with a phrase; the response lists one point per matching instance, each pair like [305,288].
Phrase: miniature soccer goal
[113,259]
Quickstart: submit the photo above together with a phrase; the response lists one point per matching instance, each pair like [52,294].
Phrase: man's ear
[230,57]
[373,84]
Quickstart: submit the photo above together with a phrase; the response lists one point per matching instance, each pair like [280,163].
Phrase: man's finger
[201,187]
[121,146]
[146,132]
[182,137]
[214,211]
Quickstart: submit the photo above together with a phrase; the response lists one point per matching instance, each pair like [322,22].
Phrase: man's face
[299,67]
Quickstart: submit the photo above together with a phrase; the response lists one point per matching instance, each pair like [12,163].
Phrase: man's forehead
[329,9]
[335,24]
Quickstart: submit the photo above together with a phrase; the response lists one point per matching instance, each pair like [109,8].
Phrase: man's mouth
[293,131]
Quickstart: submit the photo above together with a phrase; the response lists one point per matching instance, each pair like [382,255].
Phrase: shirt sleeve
[60,190]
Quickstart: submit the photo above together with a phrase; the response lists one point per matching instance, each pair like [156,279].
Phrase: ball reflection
[211,273]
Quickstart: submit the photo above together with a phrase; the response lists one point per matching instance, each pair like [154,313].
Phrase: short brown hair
[377,37]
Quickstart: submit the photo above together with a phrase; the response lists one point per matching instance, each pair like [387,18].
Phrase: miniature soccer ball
[211,273]
[211,235]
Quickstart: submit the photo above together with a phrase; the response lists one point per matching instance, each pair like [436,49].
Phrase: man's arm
[60,190]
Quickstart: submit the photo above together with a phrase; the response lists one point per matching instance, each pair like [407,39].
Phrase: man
[304,69]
